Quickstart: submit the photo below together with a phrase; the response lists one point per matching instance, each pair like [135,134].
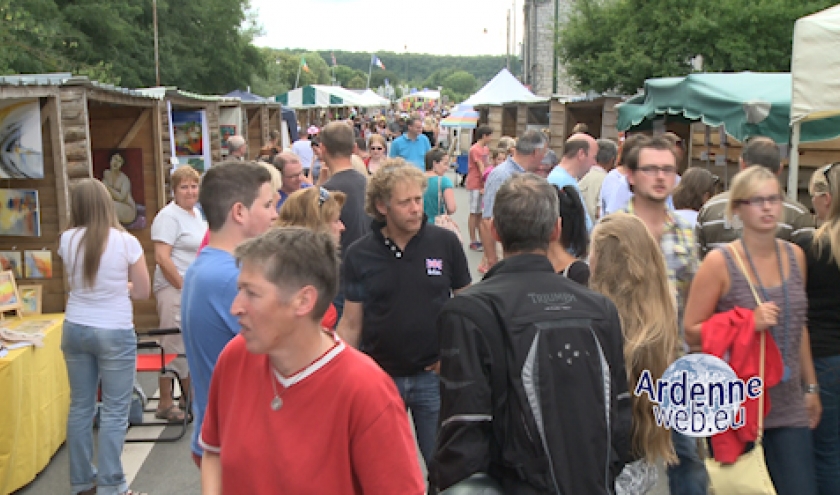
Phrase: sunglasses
[826,172]
[376,148]
[323,196]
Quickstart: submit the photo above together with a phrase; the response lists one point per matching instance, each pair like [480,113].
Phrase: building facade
[540,68]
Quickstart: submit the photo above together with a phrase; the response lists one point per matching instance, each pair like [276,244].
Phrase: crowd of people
[323,292]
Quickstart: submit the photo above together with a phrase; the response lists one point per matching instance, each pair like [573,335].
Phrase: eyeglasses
[654,170]
[323,196]
[376,148]
[295,176]
[826,171]
[772,200]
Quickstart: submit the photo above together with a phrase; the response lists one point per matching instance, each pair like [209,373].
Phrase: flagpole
[370,69]
[297,79]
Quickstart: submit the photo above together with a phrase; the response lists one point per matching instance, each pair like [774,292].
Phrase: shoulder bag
[749,475]
[443,220]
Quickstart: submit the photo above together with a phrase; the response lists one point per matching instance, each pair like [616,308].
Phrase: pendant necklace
[276,402]
[783,341]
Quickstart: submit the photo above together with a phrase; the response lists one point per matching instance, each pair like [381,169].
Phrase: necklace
[785,307]
[276,402]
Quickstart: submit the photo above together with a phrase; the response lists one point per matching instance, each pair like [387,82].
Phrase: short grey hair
[530,141]
[607,152]
[525,213]
[235,142]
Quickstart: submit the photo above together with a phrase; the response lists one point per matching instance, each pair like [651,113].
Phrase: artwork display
[30,299]
[38,264]
[121,171]
[190,138]
[21,148]
[9,297]
[11,261]
[19,212]
[226,131]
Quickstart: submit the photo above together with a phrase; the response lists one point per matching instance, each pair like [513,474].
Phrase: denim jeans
[421,394]
[95,355]
[689,477]
[789,454]
[827,435]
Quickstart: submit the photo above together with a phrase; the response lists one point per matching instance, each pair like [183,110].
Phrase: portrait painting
[121,170]
[9,298]
[19,212]
[30,299]
[38,264]
[21,148]
[226,130]
[11,261]
[189,138]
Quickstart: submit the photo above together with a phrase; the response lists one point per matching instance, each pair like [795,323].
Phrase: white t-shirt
[303,149]
[107,304]
[173,225]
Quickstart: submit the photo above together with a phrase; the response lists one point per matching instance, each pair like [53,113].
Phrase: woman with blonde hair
[774,270]
[378,149]
[430,130]
[105,269]
[820,195]
[628,267]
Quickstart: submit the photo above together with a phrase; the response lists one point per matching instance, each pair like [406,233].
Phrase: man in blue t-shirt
[238,200]
[578,157]
[413,145]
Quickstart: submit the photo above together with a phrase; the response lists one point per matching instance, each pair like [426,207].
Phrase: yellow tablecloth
[34,401]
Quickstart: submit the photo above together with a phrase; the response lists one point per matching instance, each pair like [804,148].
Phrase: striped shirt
[714,230]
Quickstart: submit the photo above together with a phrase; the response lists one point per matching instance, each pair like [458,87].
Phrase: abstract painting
[21,150]
[121,171]
[30,298]
[9,298]
[226,130]
[19,212]
[11,261]
[189,140]
[38,264]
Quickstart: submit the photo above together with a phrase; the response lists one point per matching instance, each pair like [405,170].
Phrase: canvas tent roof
[746,104]
[246,96]
[815,66]
[503,88]
[318,96]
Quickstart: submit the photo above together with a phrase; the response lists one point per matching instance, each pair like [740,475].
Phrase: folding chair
[159,363]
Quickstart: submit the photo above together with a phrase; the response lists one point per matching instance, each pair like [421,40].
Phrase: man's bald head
[579,153]
[283,158]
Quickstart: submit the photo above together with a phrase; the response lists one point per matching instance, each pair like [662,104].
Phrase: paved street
[166,468]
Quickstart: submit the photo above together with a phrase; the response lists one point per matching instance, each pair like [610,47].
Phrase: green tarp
[746,104]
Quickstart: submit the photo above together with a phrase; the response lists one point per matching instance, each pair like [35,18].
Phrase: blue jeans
[689,477]
[789,455]
[827,435]
[421,394]
[93,355]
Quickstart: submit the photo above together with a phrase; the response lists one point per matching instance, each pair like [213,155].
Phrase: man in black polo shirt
[396,279]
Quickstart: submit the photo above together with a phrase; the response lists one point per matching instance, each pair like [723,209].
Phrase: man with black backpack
[533,384]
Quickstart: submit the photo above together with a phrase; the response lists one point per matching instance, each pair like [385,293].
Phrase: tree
[459,85]
[358,82]
[616,44]
[344,74]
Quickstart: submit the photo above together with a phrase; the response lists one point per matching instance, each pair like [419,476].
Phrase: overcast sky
[444,27]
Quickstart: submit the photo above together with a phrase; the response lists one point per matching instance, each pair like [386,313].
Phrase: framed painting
[226,130]
[9,297]
[11,261]
[21,152]
[20,212]
[121,170]
[38,264]
[30,299]
[188,129]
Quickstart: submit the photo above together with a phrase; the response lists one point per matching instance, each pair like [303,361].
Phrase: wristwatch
[812,388]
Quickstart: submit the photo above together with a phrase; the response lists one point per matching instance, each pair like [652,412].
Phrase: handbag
[443,220]
[748,475]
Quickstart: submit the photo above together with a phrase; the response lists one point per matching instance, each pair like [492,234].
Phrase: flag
[375,61]
[333,59]
[303,65]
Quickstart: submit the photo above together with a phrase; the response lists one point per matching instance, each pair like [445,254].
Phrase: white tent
[504,88]
[815,70]
[372,99]
[319,96]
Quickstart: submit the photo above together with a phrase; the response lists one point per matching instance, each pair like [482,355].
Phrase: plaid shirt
[680,251]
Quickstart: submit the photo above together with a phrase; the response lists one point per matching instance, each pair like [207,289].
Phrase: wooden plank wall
[494,120]
[53,292]
[521,119]
[254,137]
[557,126]
[212,109]
[109,124]
[610,119]
[510,120]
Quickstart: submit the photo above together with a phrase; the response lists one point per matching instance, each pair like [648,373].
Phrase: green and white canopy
[318,96]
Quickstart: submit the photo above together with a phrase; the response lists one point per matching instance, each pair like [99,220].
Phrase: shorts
[169,312]
[476,201]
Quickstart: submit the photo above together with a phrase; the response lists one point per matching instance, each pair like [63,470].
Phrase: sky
[441,27]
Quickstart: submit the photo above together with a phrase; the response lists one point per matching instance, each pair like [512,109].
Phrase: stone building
[540,68]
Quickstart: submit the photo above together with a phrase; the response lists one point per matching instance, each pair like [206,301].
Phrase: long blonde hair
[828,235]
[628,268]
[92,209]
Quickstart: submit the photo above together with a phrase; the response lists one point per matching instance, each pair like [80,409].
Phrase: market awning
[746,104]
[463,116]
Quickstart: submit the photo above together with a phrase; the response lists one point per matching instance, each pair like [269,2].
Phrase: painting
[9,298]
[19,212]
[21,149]
[38,264]
[188,128]
[11,261]
[30,299]
[226,130]
[121,170]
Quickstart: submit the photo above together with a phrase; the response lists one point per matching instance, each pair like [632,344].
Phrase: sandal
[172,414]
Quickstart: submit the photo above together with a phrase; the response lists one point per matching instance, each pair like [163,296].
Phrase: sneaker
[476,246]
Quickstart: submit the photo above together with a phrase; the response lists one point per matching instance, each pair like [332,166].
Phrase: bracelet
[812,388]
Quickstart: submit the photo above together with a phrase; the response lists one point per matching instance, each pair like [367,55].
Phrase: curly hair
[382,182]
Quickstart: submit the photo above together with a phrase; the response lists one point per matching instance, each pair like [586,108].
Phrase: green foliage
[459,85]
[358,82]
[617,44]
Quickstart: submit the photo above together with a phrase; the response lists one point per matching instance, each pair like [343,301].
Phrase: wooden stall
[598,113]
